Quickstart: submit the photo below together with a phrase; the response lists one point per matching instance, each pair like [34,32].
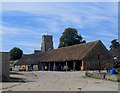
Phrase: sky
[24,23]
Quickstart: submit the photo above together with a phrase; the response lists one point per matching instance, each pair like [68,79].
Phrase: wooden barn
[86,56]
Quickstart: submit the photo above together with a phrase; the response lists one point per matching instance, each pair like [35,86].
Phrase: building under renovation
[86,56]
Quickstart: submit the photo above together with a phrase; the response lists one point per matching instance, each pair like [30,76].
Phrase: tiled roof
[30,59]
[75,52]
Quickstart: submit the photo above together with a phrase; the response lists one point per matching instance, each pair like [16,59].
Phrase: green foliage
[114,45]
[70,37]
[15,53]
[87,74]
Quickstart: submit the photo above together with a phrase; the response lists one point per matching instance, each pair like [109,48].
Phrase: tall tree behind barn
[70,37]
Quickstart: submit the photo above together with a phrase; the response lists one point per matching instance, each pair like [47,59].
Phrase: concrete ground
[59,81]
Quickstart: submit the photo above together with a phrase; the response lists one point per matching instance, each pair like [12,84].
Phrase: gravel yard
[59,81]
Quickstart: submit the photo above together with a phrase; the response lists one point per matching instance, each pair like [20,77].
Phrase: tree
[70,37]
[15,53]
[115,48]
[114,45]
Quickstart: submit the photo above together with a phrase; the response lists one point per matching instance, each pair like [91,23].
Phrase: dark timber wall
[105,57]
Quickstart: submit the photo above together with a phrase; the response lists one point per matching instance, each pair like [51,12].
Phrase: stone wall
[5,63]
[105,76]
[95,75]
[47,43]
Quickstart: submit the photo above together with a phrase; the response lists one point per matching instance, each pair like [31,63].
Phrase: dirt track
[62,81]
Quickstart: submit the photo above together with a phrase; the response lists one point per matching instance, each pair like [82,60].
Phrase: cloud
[55,17]
[31,49]
[68,13]
[56,45]
[86,36]
[107,34]
[0,31]
[78,15]
[62,1]
[11,30]
[50,24]
[29,44]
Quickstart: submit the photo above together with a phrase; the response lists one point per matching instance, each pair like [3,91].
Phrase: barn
[87,56]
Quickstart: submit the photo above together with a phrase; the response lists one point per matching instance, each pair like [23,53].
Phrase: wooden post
[54,66]
[74,63]
[18,67]
[49,66]
[39,66]
[44,66]
[83,65]
[25,67]
[99,65]
[99,62]
[73,66]
[108,67]
[28,67]
[66,65]
[32,67]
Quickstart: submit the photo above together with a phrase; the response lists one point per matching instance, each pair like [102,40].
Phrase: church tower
[47,43]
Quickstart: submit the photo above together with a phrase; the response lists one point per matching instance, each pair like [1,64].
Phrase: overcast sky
[23,24]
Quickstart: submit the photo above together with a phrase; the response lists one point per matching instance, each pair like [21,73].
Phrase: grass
[87,74]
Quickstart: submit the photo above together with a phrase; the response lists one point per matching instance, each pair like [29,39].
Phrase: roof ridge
[76,45]
[91,48]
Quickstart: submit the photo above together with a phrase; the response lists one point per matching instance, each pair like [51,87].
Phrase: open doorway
[78,65]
